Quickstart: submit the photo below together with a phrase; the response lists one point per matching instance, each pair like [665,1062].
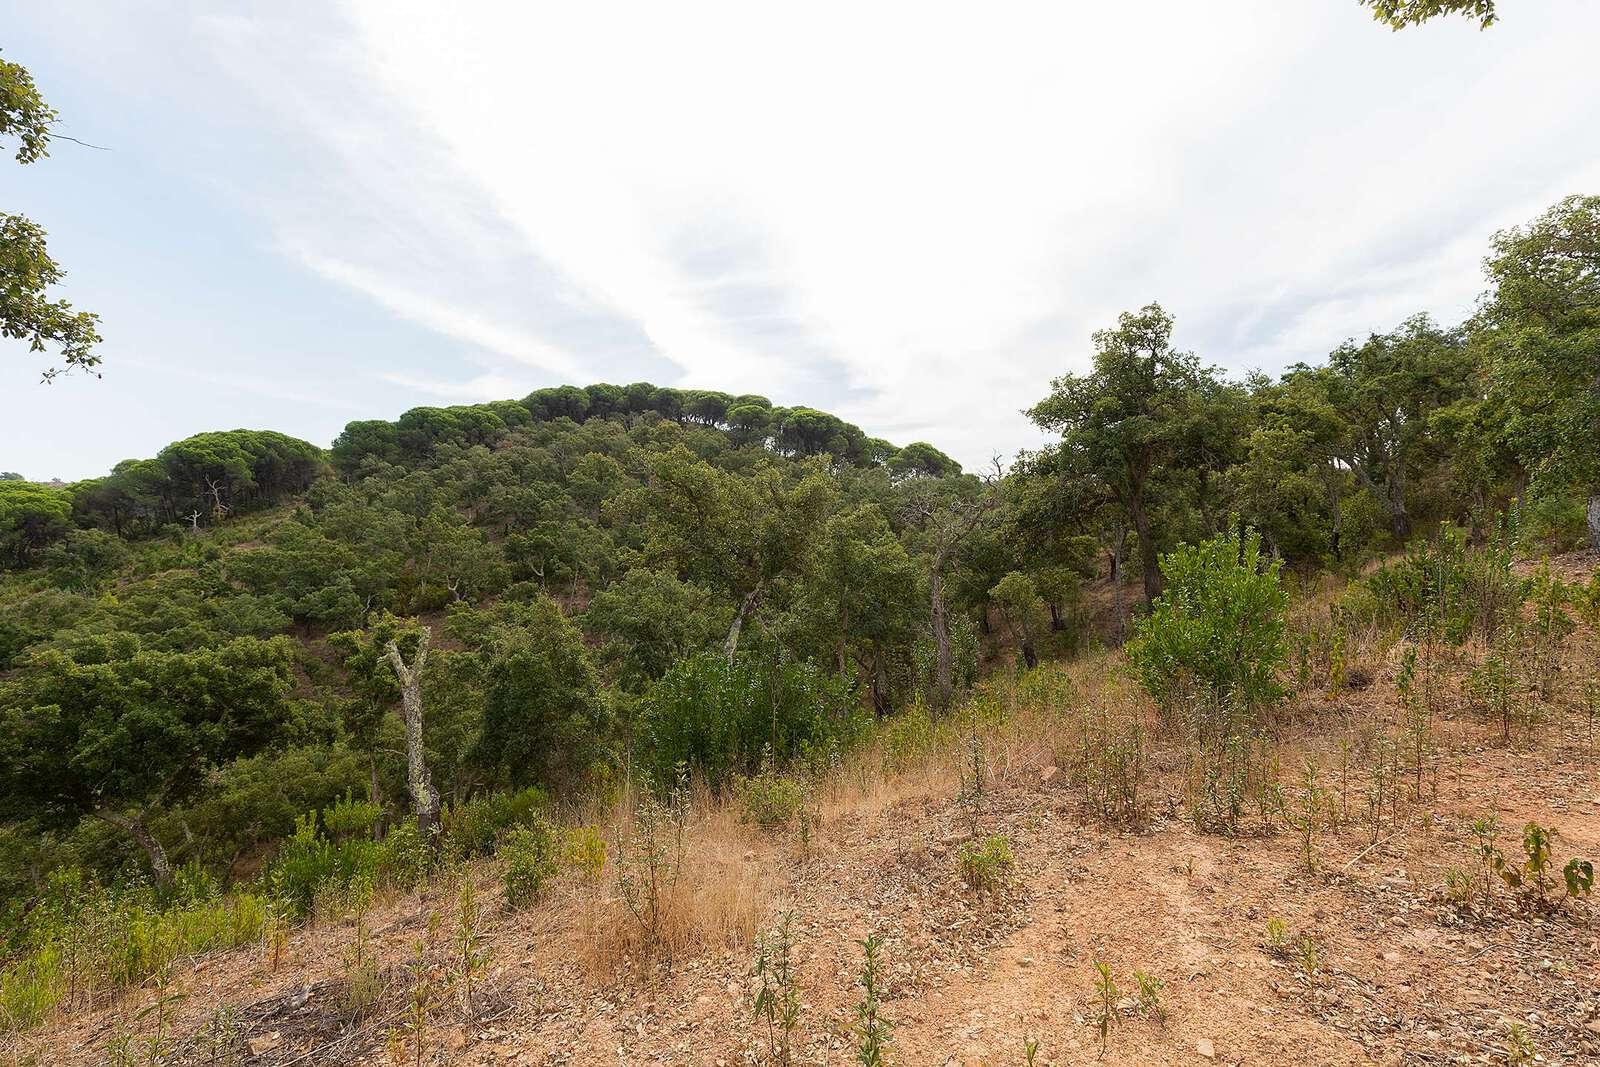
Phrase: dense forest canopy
[608,575]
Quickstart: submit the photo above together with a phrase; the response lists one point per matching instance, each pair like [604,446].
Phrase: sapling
[1150,995]
[874,1031]
[1486,831]
[471,955]
[778,998]
[1105,989]
[1536,841]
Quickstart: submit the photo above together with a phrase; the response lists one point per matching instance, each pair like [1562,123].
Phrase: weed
[1536,841]
[649,867]
[363,981]
[1520,1049]
[419,1011]
[586,851]
[1030,1050]
[1309,959]
[1310,801]
[1459,886]
[986,865]
[778,998]
[1277,934]
[1150,995]
[471,954]
[1105,995]
[874,1031]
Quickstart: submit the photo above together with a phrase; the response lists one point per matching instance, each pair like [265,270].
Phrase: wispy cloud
[911,214]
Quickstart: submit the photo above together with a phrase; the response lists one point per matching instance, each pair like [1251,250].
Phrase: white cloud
[913,214]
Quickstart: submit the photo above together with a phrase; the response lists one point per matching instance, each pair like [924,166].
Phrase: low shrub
[986,865]
[474,826]
[771,800]
[716,718]
[530,852]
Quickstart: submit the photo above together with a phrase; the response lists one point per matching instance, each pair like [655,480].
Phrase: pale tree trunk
[419,782]
[1594,521]
[747,606]
[134,827]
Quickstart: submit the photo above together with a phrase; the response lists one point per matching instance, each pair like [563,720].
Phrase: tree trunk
[1147,550]
[748,605]
[1594,521]
[419,781]
[1056,625]
[1030,658]
[1116,586]
[943,683]
[135,827]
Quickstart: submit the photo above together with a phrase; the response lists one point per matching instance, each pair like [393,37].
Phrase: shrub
[771,800]
[986,865]
[530,852]
[473,827]
[1218,629]
[718,718]
[585,851]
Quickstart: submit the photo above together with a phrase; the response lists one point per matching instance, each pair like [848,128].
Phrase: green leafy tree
[731,532]
[1384,392]
[1217,628]
[32,516]
[26,270]
[1024,611]
[1144,411]
[651,620]
[1541,326]
[546,718]
[122,740]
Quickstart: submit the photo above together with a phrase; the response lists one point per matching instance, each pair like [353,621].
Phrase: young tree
[26,313]
[125,739]
[1024,612]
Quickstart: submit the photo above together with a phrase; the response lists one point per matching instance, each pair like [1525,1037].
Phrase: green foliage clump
[531,852]
[1217,633]
[717,717]
[771,800]
[986,865]
[474,827]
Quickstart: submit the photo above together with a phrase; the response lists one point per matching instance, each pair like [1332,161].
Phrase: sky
[912,215]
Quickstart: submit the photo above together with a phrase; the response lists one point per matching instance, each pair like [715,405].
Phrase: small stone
[265,1043]
[1205,1048]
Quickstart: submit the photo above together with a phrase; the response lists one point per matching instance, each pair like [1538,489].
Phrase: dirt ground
[1402,976]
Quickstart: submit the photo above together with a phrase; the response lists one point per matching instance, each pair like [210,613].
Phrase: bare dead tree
[419,781]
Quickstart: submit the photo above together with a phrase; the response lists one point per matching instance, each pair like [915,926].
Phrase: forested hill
[192,644]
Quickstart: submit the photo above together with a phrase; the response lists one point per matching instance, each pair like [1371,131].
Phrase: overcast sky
[912,215]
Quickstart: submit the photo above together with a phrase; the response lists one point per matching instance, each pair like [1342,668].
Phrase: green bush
[474,826]
[717,718]
[530,852]
[986,865]
[1217,632]
[771,800]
